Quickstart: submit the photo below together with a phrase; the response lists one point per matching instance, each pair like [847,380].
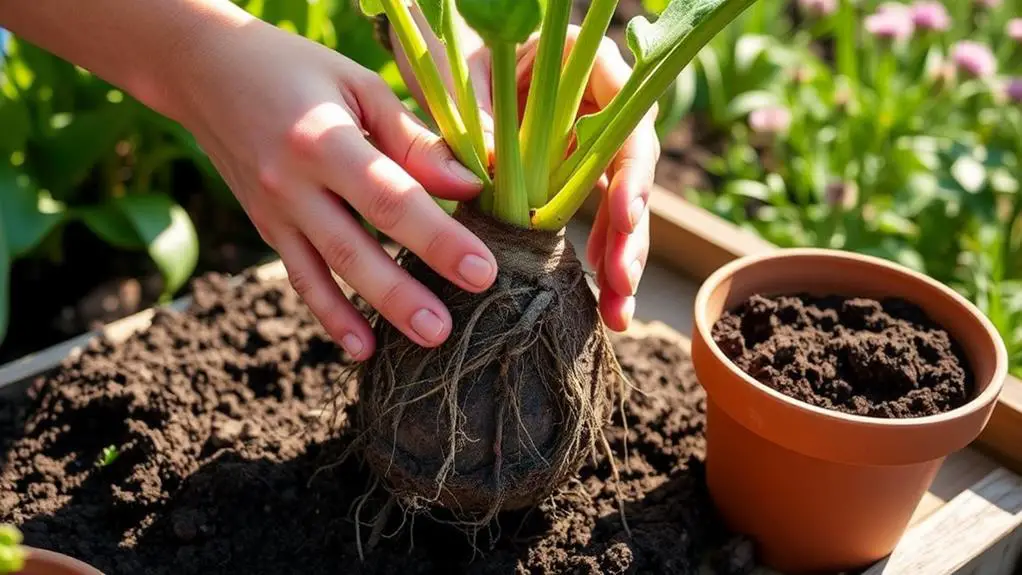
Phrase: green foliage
[12,554]
[108,456]
[501,20]
[885,151]
[75,150]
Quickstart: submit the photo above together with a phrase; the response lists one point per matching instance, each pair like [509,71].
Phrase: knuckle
[392,297]
[301,282]
[387,208]
[304,142]
[270,180]
[438,246]
[426,145]
[341,254]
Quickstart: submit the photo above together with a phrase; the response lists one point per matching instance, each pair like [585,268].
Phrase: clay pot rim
[727,271]
[54,559]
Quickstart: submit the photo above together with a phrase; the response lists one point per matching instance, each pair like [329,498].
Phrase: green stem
[575,76]
[570,165]
[556,213]
[542,100]
[511,197]
[428,75]
[464,91]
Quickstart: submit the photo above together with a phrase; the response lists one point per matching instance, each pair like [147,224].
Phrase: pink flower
[818,8]
[1014,29]
[891,22]
[770,120]
[930,15]
[974,59]
[1014,90]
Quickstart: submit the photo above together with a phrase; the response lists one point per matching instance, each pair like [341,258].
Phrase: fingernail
[428,325]
[462,173]
[352,344]
[475,270]
[634,275]
[635,210]
[628,311]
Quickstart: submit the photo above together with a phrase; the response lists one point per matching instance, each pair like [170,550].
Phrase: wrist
[186,56]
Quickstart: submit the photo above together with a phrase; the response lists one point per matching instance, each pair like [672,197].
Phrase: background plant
[881,128]
[75,149]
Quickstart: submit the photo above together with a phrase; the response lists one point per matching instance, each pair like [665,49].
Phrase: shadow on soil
[234,515]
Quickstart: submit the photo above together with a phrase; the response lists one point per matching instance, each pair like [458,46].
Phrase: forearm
[138,46]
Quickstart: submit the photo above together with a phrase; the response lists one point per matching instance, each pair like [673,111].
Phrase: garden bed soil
[855,355]
[223,415]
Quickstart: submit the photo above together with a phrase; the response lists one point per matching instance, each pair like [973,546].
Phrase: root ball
[512,403]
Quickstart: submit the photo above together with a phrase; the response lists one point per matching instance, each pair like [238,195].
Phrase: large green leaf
[67,156]
[112,226]
[168,234]
[16,127]
[28,216]
[501,20]
[153,222]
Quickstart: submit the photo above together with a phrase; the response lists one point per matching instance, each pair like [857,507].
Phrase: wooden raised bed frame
[969,522]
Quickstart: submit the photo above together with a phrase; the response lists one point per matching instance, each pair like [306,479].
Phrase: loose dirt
[855,355]
[221,417]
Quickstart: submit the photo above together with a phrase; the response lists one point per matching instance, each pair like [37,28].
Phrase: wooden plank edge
[975,532]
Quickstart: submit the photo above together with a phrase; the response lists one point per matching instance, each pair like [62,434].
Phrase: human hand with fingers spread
[619,241]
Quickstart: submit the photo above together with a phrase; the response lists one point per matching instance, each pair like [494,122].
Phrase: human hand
[618,244]
[288,123]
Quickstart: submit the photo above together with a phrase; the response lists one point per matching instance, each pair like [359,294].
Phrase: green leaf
[433,10]
[969,173]
[69,154]
[371,7]
[655,6]
[748,189]
[745,103]
[28,215]
[651,41]
[502,20]
[14,117]
[677,102]
[112,226]
[168,234]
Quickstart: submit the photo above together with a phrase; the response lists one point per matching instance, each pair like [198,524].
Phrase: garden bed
[222,415]
[194,485]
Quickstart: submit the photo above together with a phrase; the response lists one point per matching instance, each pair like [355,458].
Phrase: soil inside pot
[855,355]
[221,417]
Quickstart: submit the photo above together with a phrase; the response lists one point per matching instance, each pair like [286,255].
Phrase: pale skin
[288,123]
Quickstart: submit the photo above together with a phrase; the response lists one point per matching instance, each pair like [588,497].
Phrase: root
[531,352]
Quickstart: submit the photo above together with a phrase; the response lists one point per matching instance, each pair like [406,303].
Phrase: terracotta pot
[820,490]
[43,562]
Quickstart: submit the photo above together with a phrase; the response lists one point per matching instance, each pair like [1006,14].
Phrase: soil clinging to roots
[512,404]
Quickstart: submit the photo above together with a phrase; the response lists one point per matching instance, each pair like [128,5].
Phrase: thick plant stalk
[439,101]
[464,92]
[511,198]
[542,101]
[556,213]
[575,76]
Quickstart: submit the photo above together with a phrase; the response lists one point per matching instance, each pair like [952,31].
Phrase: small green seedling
[12,554]
[108,456]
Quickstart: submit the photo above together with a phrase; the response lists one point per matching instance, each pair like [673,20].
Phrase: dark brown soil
[855,355]
[221,417]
